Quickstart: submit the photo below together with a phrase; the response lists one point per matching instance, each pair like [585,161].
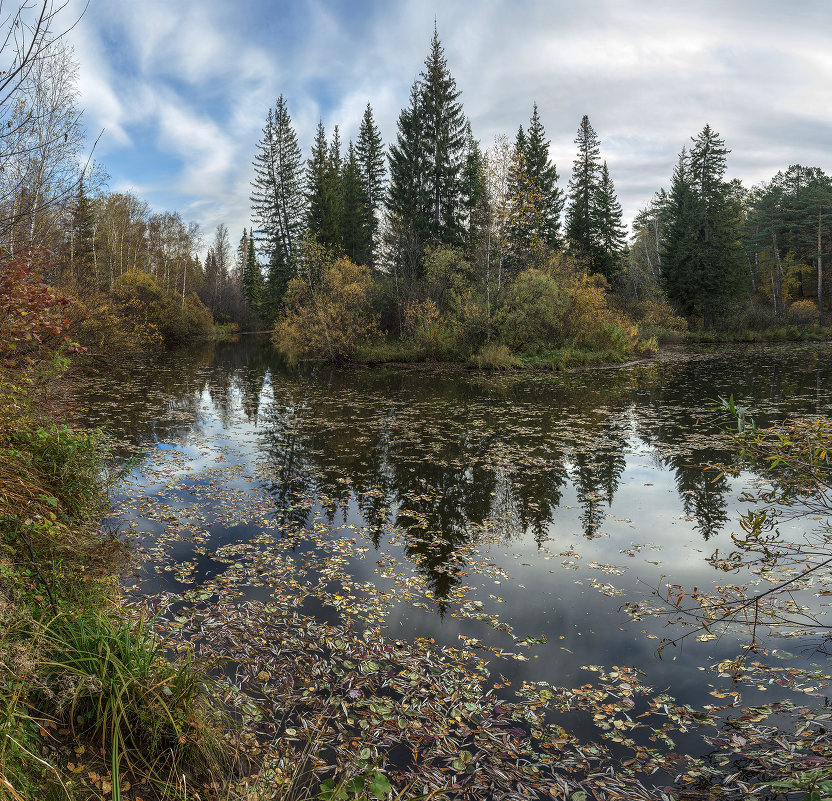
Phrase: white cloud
[201,75]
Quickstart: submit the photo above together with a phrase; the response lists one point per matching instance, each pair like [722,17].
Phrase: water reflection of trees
[439,459]
[445,456]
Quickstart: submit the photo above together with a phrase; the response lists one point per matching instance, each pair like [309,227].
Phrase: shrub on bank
[494,357]
[327,313]
[140,314]
[555,308]
[802,312]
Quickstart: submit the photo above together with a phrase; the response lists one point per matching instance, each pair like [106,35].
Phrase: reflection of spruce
[536,495]
[703,496]
[251,387]
[596,476]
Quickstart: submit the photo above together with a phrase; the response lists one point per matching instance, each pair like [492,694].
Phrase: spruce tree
[83,233]
[545,175]
[611,238]
[317,178]
[703,260]
[472,183]
[278,200]
[242,253]
[678,255]
[369,152]
[405,199]
[583,191]
[252,278]
[526,212]
[444,136]
[354,223]
[333,234]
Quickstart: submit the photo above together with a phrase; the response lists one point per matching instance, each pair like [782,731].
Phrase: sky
[178,90]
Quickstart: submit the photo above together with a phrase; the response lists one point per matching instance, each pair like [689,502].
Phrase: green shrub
[533,313]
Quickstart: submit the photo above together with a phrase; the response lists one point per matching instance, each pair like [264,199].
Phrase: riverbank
[498,357]
[91,703]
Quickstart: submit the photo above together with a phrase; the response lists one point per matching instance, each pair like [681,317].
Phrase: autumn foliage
[33,318]
[327,313]
[140,314]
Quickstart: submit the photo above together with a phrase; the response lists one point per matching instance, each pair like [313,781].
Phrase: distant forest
[431,239]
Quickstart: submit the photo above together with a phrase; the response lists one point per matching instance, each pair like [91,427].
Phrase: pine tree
[611,234]
[583,191]
[277,198]
[678,255]
[543,172]
[444,135]
[370,156]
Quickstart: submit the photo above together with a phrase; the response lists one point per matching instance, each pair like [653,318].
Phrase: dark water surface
[519,510]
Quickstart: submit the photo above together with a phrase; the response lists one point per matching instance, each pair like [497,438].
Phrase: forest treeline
[444,249]
[431,246]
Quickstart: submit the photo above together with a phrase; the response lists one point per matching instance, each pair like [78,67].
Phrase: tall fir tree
[703,263]
[444,134]
[543,172]
[611,237]
[278,201]
[354,223]
[583,192]
[369,151]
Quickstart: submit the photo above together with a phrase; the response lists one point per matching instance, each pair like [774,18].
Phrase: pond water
[510,516]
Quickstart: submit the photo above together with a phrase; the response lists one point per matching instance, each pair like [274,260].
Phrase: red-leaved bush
[32,315]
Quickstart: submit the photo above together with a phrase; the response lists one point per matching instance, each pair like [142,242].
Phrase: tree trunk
[820,267]
[778,298]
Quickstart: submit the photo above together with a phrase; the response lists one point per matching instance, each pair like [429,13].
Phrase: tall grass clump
[111,681]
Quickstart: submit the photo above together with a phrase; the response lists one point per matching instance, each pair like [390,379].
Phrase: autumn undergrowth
[76,675]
